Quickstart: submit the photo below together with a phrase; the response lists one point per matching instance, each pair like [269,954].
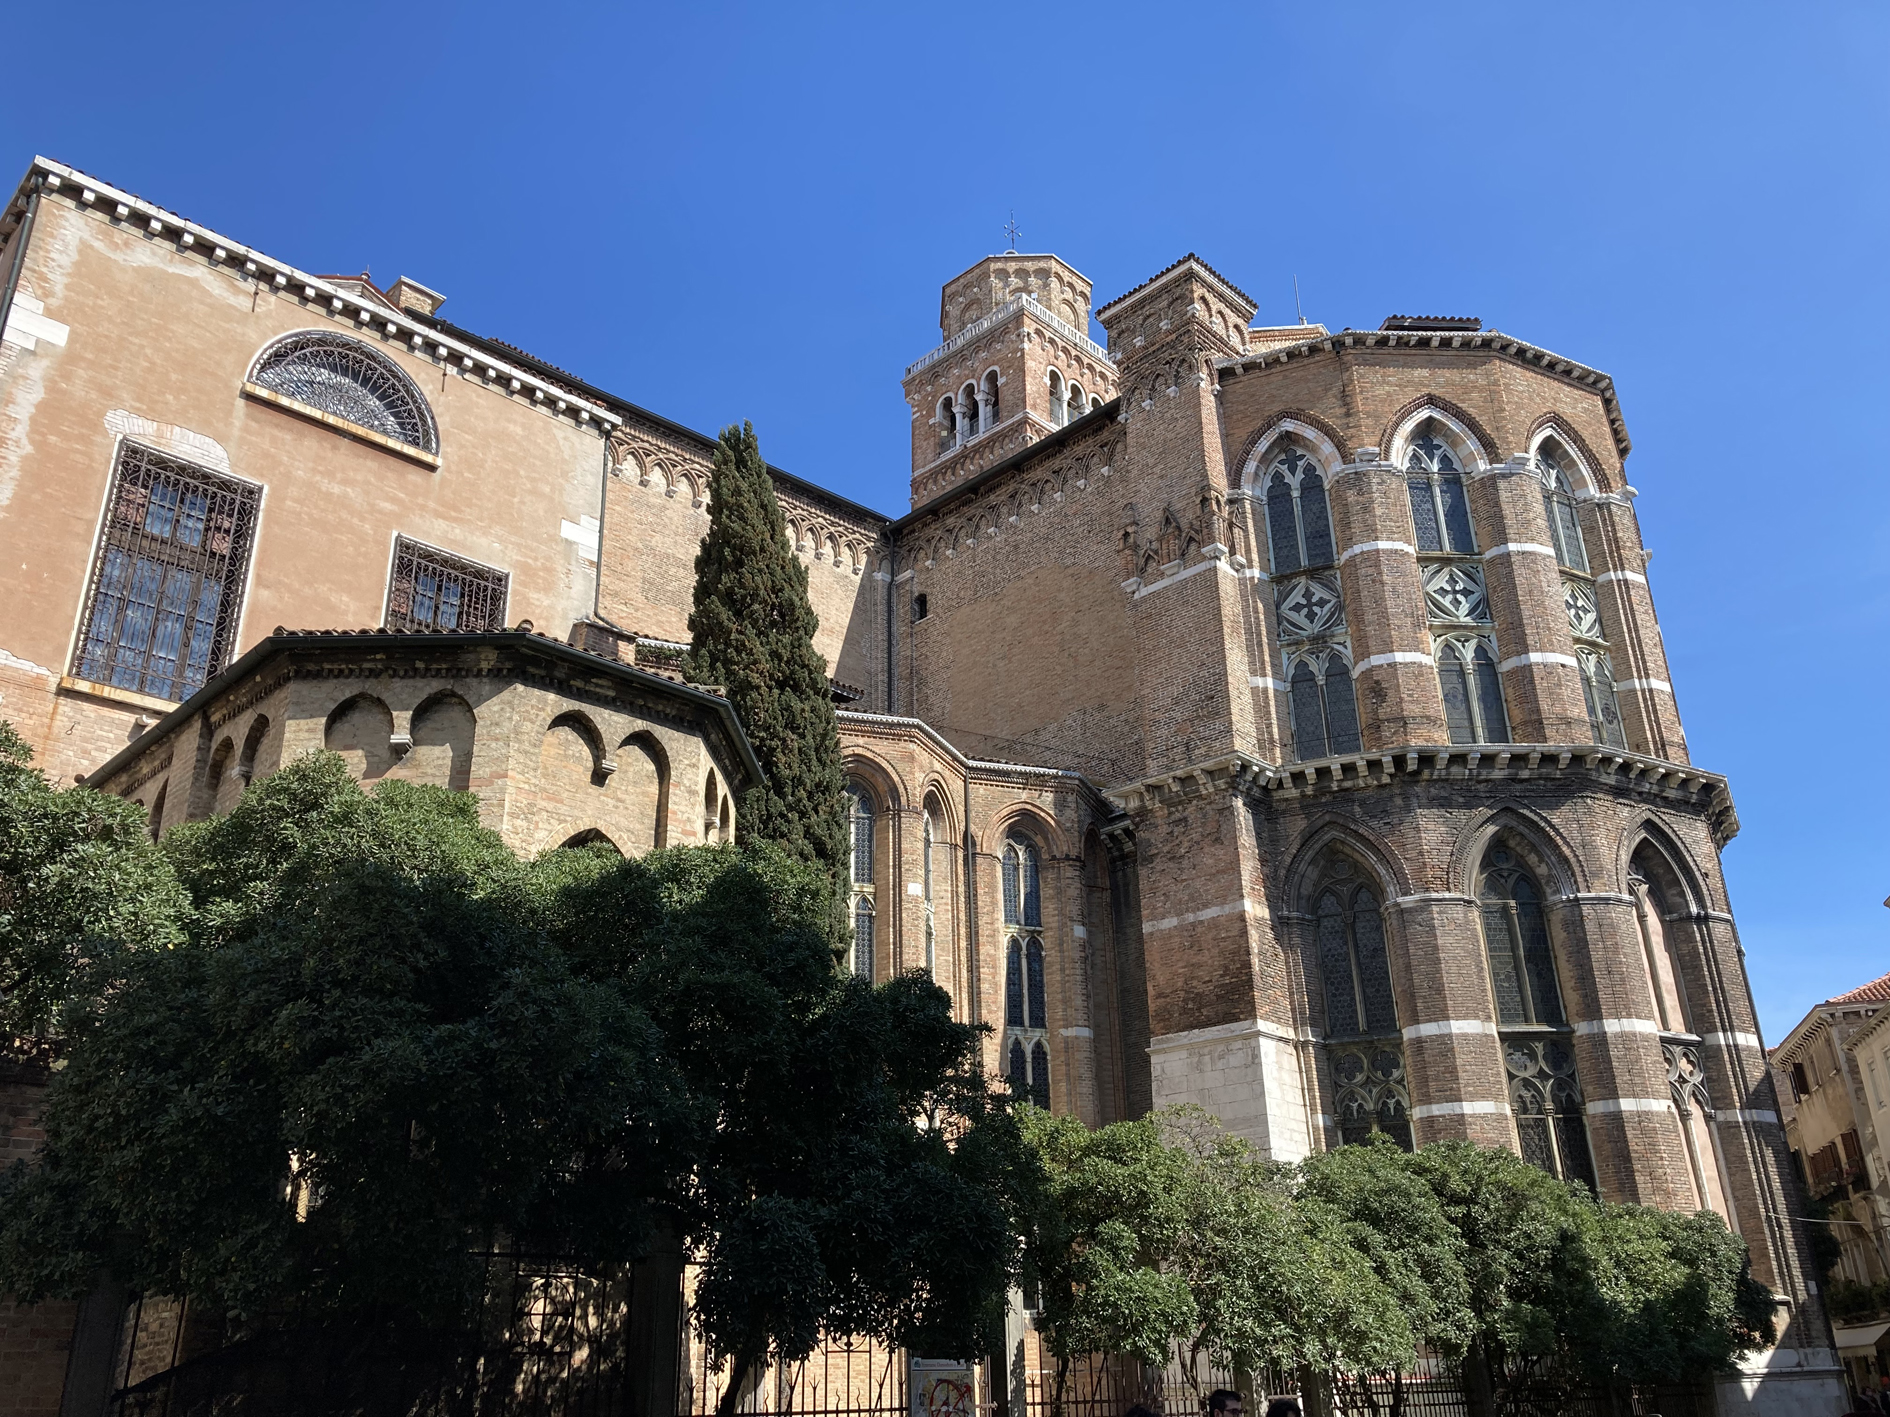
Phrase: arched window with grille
[1363,1044]
[1323,706]
[1545,1093]
[928,844]
[1472,689]
[349,380]
[1440,511]
[861,821]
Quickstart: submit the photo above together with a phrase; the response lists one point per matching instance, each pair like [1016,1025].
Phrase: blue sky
[729,212]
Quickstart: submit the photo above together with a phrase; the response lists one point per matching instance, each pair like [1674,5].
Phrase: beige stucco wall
[158,340]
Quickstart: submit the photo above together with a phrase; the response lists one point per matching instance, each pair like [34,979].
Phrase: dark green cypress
[752,633]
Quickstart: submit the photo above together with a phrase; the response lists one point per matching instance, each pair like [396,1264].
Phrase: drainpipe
[20,238]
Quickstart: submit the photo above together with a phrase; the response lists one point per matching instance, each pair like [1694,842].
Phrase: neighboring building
[1267,718]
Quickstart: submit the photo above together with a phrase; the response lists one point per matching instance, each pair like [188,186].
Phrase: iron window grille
[167,585]
[344,377]
[432,590]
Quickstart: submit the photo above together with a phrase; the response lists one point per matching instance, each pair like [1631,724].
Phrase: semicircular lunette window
[343,377]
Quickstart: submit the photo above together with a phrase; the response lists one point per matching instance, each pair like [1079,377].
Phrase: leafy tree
[80,880]
[752,633]
[382,1042]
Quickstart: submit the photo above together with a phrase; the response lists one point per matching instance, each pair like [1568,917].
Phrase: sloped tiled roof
[1875,992]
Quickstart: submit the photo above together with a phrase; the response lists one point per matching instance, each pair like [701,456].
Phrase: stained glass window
[1440,511]
[860,817]
[1309,727]
[1558,505]
[1014,984]
[1040,1074]
[1341,706]
[1033,981]
[1354,964]
[1516,937]
[1299,519]
[1472,690]
[1604,705]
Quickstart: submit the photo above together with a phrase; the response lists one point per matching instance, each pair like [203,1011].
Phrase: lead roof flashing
[1458,341]
[342,306]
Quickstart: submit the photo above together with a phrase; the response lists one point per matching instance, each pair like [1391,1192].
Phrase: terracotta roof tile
[1875,992]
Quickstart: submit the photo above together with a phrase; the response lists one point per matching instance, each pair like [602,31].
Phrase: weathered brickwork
[1270,719]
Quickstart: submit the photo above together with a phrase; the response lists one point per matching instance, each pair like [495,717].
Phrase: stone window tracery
[1545,1092]
[1309,608]
[1026,997]
[1363,1044]
[1440,510]
[1472,689]
[346,378]
[861,822]
[1578,599]
[1558,504]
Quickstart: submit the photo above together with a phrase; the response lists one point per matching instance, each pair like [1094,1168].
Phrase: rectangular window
[167,588]
[433,590]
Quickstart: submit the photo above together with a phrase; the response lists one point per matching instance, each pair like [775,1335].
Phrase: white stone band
[1448,1025]
[1261,681]
[1538,657]
[1732,1040]
[1730,1114]
[1351,551]
[1630,1104]
[1461,1109]
[1212,912]
[1607,576]
[1658,686]
[1514,548]
[1617,1025]
[1402,656]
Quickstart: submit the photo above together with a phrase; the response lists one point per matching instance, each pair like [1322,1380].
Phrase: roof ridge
[1876,991]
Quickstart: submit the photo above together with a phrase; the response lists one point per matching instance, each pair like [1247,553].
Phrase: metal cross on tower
[1011,230]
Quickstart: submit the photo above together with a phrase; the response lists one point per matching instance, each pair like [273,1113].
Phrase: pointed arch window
[1558,504]
[1323,705]
[1545,1092]
[1299,519]
[1440,511]
[349,380]
[1022,894]
[1026,995]
[1604,705]
[861,821]
[928,844]
[1472,689]
[1363,1044]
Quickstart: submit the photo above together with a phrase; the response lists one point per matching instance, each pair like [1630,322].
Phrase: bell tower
[1016,365]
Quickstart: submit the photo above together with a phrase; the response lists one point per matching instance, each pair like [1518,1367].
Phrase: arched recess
[590,836]
[360,729]
[571,755]
[1592,479]
[221,761]
[643,768]
[1319,438]
[350,380]
[156,827]
[1544,849]
[252,745]
[1332,833]
[443,731]
[1458,428]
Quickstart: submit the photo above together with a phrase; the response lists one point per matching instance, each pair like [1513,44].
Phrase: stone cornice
[1675,783]
[1465,342]
[348,308]
[1010,309]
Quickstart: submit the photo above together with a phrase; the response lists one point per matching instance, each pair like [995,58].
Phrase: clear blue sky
[746,212]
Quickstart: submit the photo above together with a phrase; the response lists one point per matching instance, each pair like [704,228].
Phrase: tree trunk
[745,1358]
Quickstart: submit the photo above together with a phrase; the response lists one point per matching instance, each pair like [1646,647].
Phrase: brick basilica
[1268,718]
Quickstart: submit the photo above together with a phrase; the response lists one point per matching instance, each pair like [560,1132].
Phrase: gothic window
[1558,503]
[947,421]
[1014,984]
[991,414]
[1353,963]
[1472,689]
[345,378]
[1516,939]
[860,818]
[1604,708]
[1323,707]
[432,590]
[1040,1074]
[167,585]
[1440,512]
[1371,1092]
[1033,983]
[1059,400]
[1299,522]
[1650,908]
[1018,1071]
[927,845]
[1022,895]
[1545,1097]
[968,403]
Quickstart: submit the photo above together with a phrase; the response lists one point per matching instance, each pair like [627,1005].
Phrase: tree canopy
[376,1042]
[752,633]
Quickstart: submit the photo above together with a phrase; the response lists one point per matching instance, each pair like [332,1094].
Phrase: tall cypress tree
[752,633]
